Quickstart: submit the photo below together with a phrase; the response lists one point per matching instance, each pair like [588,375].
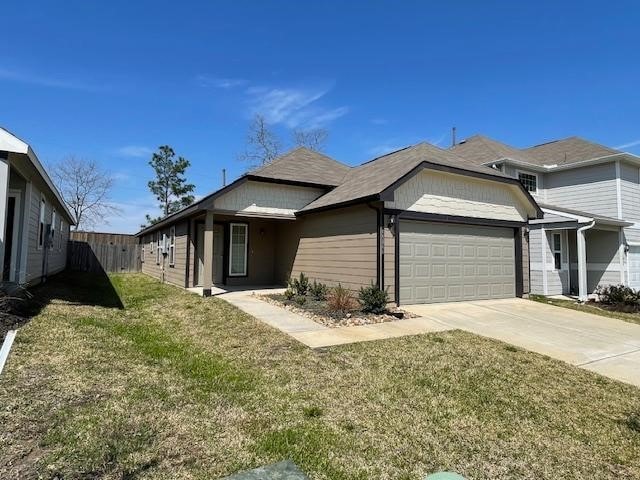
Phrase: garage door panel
[447,263]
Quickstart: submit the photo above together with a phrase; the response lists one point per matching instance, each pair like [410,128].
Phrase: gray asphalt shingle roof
[482,150]
[306,166]
[375,176]
[567,151]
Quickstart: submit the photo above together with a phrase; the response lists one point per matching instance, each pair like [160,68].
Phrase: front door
[218,254]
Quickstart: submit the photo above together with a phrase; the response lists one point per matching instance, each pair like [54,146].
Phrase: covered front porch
[228,252]
[574,252]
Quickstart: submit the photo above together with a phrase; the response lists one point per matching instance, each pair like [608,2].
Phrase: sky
[112,81]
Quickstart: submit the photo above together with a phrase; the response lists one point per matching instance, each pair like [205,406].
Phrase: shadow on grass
[76,288]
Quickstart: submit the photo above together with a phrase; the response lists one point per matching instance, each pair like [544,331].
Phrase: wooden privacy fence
[103,257]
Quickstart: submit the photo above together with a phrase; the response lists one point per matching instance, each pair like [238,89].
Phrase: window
[53,229]
[172,246]
[60,234]
[142,254]
[158,245]
[557,251]
[238,250]
[529,181]
[41,231]
[151,243]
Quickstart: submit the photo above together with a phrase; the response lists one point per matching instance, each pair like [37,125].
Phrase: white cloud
[135,151]
[46,81]
[293,107]
[633,143]
[379,121]
[130,216]
[219,82]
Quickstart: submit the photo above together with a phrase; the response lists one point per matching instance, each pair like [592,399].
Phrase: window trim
[555,251]
[41,232]
[246,249]
[172,246]
[533,174]
[142,254]
[158,249]
[53,228]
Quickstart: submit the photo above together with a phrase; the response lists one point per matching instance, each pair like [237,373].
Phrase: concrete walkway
[605,345]
[315,335]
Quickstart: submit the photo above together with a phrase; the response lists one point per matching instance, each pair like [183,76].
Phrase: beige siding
[174,274]
[267,198]
[331,247]
[443,193]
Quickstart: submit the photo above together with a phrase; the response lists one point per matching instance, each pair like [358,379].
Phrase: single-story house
[421,222]
[34,221]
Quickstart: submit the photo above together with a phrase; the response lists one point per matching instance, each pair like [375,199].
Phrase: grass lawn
[176,386]
[588,308]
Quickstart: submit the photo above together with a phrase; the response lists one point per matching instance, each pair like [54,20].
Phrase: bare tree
[263,146]
[85,188]
[313,139]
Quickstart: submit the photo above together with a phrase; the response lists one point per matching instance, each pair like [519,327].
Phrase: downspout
[582,260]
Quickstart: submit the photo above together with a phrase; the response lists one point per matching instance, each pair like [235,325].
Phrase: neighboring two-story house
[590,196]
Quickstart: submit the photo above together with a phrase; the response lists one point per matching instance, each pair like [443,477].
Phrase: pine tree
[170,185]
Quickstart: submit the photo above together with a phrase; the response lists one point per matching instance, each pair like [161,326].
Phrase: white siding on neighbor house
[449,194]
[267,198]
[630,192]
[56,257]
[591,189]
[557,280]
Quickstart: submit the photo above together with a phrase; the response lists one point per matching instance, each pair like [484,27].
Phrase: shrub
[289,294]
[300,299]
[318,291]
[373,299]
[300,285]
[340,300]
[618,295]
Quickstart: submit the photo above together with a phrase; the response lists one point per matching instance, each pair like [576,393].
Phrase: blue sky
[112,81]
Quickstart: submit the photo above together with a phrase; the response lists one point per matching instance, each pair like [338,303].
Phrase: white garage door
[633,257]
[450,263]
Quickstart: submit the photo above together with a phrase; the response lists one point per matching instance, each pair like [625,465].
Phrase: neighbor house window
[158,247]
[557,251]
[60,233]
[238,249]
[41,232]
[53,228]
[151,242]
[172,246]
[142,254]
[529,181]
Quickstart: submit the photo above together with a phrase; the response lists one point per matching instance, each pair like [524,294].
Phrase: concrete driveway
[604,345]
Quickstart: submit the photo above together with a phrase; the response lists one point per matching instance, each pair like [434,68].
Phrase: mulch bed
[318,311]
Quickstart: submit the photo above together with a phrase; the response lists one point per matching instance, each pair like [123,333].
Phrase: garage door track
[608,346]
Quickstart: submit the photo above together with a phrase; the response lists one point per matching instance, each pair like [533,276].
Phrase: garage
[442,262]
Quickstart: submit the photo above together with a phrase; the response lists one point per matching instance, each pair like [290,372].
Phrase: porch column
[4,192]
[582,264]
[208,254]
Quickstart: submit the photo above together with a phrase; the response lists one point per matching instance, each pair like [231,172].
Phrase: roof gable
[302,165]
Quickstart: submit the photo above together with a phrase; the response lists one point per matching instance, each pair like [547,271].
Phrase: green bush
[318,291]
[289,294]
[340,300]
[300,299]
[373,299]
[300,285]
[618,295]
